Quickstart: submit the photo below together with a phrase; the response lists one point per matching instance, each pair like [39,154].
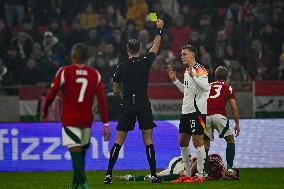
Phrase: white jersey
[195,89]
[175,167]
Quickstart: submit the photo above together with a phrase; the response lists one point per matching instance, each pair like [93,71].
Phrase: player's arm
[174,79]
[234,108]
[201,81]
[55,86]
[103,109]
[157,40]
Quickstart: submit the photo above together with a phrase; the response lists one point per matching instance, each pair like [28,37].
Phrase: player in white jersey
[194,108]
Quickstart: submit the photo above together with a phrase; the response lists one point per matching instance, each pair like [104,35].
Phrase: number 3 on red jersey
[217,89]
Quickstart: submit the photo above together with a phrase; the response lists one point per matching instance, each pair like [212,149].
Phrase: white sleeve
[179,85]
[202,83]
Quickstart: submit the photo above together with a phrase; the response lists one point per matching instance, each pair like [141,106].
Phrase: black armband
[159,31]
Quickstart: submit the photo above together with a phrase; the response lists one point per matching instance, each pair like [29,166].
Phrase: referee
[133,76]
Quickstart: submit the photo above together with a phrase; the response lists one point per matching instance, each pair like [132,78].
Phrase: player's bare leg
[150,151]
[198,142]
[79,177]
[184,139]
[230,151]
[120,138]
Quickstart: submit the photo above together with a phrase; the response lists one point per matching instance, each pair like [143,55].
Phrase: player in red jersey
[221,93]
[79,84]
[175,171]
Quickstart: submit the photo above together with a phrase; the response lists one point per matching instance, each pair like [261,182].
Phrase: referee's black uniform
[133,76]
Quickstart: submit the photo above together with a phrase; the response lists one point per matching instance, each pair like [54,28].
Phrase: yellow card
[153,16]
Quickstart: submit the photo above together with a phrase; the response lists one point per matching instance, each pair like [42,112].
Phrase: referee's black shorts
[130,112]
[192,123]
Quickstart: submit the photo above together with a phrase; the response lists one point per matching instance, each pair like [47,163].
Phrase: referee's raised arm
[157,40]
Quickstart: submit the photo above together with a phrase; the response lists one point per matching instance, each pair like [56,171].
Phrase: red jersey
[215,166]
[78,84]
[220,93]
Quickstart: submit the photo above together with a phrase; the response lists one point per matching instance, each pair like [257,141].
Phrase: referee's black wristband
[159,31]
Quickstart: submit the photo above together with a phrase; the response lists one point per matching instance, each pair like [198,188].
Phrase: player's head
[235,175]
[79,53]
[133,47]
[221,73]
[188,55]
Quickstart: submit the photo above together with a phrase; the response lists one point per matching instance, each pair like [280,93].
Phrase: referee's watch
[159,31]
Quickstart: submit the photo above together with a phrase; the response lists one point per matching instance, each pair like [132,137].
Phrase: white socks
[186,158]
[201,156]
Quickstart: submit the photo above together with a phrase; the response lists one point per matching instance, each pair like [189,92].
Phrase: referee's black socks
[113,157]
[150,151]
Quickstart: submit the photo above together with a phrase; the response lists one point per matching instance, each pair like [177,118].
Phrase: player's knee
[230,139]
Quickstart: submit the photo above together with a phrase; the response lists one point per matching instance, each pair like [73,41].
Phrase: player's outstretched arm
[174,79]
[157,40]
[234,108]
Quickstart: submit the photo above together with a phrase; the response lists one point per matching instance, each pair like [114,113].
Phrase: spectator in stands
[137,11]
[129,31]
[117,41]
[56,29]
[23,41]
[30,74]
[28,27]
[93,42]
[207,33]
[158,74]
[14,9]
[220,44]
[114,17]
[229,53]
[166,56]
[207,62]
[110,55]
[5,37]
[237,74]
[89,18]
[267,33]
[105,70]
[42,63]
[76,35]
[143,37]
[262,11]
[14,64]
[54,65]
[171,7]
[246,31]
[195,39]
[180,35]
[259,61]
[157,7]
[103,28]
[52,45]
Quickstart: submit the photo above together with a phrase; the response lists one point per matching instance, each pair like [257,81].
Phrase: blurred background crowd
[36,36]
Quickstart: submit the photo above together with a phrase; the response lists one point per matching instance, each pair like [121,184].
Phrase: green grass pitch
[250,178]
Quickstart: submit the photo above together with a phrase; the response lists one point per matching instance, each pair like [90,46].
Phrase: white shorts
[73,136]
[218,122]
[175,167]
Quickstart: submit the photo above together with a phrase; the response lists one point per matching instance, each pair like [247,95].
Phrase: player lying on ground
[175,171]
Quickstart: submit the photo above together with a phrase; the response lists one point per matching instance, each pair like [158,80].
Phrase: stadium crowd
[247,36]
